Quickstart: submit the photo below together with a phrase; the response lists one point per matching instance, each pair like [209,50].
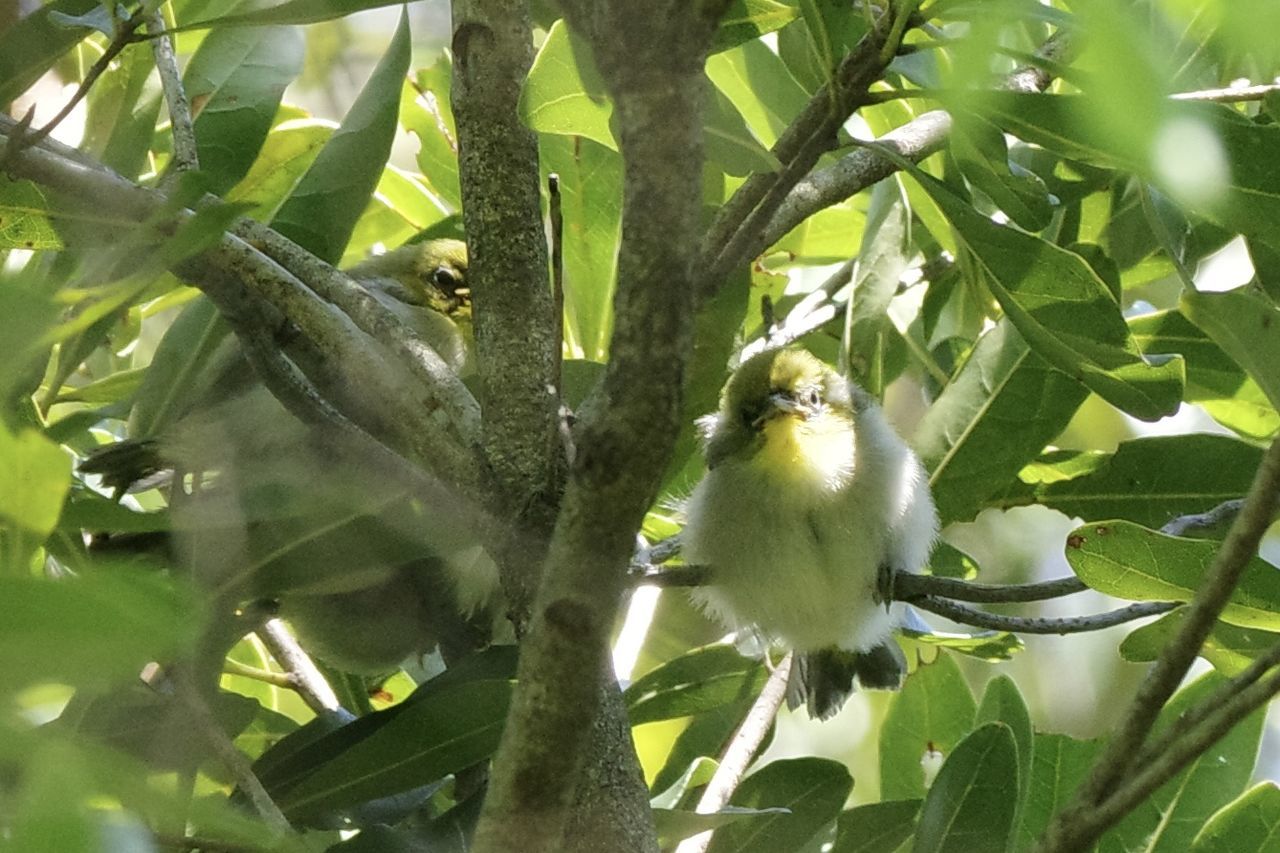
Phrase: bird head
[432,273]
[784,407]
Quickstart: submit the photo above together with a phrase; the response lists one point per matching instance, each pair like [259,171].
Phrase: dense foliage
[1046,253]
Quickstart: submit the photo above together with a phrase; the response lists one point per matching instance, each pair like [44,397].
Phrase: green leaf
[834,28]
[1246,324]
[983,156]
[730,144]
[322,211]
[1228,647]
[747,20]
[442,733]
[563,93]
[172,381]
[35,475]
[1236,184]
[1003,703]
[425,112]
[1248,824]
[113,388]
[1214,381]
[882,259]
[31,45]
[970,805]
[93,631]
[24,217]
[812,790]
[968,439]
[1063,310]
[1129,561]
[934,710]
[760,86]
[983,645]
[876,827]
[1059,765]
[288,152]
[291,12]
[1168,820]
[1137,482]
[590,199]
[676,824]
[235,82]
[88,510]
[700,680]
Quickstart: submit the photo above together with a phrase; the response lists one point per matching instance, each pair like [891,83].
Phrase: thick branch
[516,343]
[1068,831]
[240,273]
[651,58]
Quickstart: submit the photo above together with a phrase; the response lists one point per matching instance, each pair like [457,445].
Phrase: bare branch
[742,747]
[185,157]
[304,676]
[1220,514]
[908,586]
[1229,95]
[1041,625]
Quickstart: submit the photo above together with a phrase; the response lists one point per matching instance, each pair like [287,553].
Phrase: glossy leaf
[235,82]
[813,790]
[1246,324]
[564,94]
[968,439]
[971,806]
[1245,196]
[876,827]
[322,211]
[1063,310]
[1059,765]
[1140,482]
[24,217]
[1248,824]
[747,20]
[1003,703]
[700,680]
[1214,379]
[1167,821]
[676,824]
[1228,647]
[425,112]
[934,710]
[1129,561]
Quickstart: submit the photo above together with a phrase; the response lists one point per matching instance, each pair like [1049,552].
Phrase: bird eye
[813,398]
[445,279]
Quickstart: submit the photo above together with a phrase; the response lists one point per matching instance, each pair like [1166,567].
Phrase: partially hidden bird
[365,575]
[810,503]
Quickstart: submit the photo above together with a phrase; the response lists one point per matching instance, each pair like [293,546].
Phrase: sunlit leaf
[1126,560]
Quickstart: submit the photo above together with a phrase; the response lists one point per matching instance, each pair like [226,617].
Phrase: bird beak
[779,405]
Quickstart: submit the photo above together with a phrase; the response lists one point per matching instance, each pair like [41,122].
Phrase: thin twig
[234,760]
[1041,625]
[1220,514]
[185,157]
[1229,95]
[556,215]
[125,35]
[1157,768]
[908,586]
[741,750]
[304,676]
[1071,828]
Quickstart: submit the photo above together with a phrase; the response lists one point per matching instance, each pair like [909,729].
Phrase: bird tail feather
[824,679]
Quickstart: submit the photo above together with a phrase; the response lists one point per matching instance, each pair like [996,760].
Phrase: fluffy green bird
[357,567]
[810,502]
